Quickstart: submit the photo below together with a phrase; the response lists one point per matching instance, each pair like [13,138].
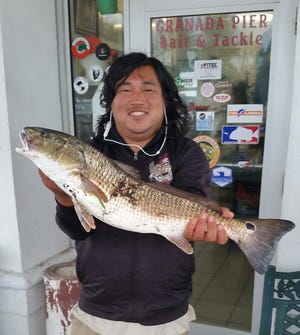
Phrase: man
[139,283]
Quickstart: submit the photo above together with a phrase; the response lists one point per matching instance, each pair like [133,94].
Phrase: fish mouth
[26,142]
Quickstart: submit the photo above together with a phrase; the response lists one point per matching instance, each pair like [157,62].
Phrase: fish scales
[112,192]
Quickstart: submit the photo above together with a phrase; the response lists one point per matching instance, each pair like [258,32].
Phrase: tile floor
[222,286]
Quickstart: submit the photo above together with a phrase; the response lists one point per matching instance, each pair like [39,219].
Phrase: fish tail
[260,244]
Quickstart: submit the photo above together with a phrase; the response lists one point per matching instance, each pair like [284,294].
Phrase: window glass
[96,37]
[220,63]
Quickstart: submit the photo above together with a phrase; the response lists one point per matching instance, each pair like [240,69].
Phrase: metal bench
[281,303]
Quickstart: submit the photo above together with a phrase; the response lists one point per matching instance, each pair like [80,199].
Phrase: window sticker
[80,47]
[240,134]
[102,51]
[208,69]
[80,85]
[210,147]
[188,94]
[188,80]
[244,113]
[205,121]
[222,98]
[95,72]
[222,176]
[244,160]
[207,89]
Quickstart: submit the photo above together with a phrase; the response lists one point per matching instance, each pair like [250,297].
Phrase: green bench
[281,303]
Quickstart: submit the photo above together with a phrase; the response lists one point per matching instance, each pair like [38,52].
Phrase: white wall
[29,47]
[29,95]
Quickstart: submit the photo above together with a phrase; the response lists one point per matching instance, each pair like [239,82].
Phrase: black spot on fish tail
[259,245]
[250,226]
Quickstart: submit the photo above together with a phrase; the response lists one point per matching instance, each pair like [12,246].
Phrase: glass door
[220,60]
[221,64]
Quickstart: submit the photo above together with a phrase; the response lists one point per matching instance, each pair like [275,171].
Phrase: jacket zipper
[135,156]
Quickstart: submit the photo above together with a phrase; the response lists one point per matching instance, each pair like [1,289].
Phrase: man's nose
[138,95]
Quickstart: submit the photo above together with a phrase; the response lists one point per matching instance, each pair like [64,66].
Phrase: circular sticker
[102,51]
[210,147]
[95,72]
[179,82]
[207,90]
[243,160]
[80,85]
[80,47]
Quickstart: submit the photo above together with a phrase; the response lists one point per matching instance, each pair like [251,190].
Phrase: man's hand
[60,196]
[206,228]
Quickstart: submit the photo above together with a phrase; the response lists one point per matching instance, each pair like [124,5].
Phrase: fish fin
[91,188]
[128,169]
[260,246]
[181,243]
[84,217]
[203,201]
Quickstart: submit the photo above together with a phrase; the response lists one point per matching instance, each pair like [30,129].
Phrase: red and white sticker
[248,113]
[80,47]
[222,98]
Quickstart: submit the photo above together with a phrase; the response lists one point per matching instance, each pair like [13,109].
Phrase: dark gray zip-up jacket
[135,277]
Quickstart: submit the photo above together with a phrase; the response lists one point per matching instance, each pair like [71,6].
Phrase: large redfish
[107,190]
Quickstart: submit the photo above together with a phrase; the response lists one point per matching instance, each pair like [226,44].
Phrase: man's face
[138,106]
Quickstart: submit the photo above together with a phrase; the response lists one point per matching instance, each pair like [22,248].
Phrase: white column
[289,251]
[29,95]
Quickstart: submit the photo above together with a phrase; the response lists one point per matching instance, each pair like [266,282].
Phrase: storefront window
[220,64]
[221,67]
[96,35]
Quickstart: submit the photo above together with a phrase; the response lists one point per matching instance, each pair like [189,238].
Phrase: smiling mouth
[137,113]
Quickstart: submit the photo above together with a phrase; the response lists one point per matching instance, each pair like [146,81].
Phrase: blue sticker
[240,134]
[222,176]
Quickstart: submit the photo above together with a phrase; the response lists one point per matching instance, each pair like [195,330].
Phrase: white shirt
[108,327]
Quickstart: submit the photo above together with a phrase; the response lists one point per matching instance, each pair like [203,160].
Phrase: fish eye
[44,133]
[250,226]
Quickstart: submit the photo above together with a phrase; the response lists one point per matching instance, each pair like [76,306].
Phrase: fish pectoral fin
[181,243]
[89,187]
[84,217]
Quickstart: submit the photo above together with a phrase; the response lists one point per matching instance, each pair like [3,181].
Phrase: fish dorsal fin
[128,169]
[187,195]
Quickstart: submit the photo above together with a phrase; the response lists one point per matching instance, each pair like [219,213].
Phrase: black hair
[119,71]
